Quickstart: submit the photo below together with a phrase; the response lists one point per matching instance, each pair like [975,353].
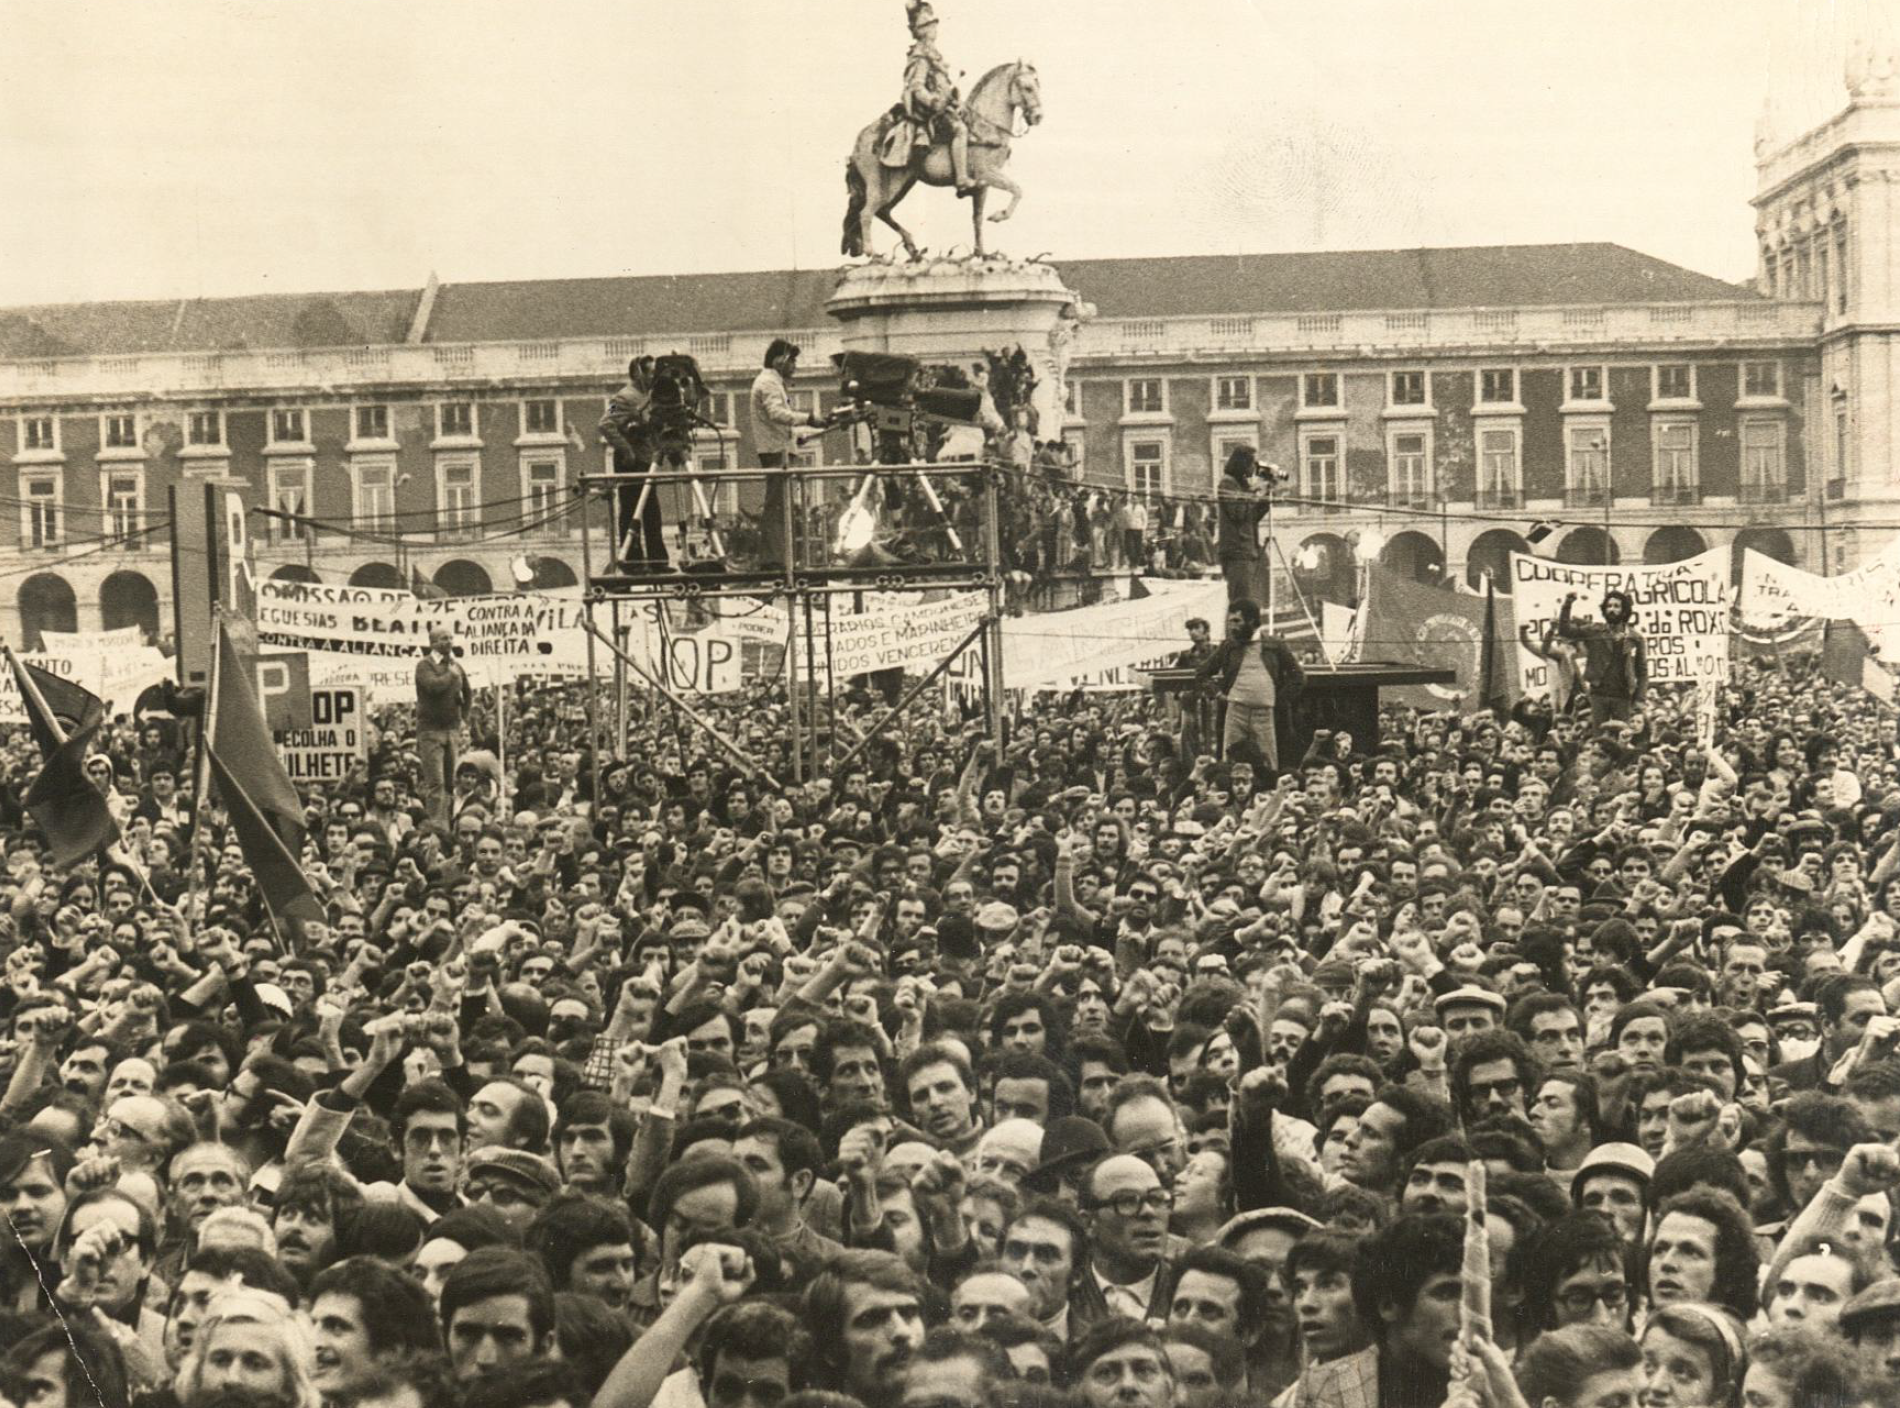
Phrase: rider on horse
[930,95]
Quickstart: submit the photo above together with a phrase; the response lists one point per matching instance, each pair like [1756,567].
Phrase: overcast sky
[162,148]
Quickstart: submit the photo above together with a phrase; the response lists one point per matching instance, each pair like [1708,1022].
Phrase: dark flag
[1497,658]
[69,809]
[280,878]
[235,730]
[1410,623]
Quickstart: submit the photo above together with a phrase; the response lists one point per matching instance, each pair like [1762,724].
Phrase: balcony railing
[1674,491]
[1764,491]
[1500,498]
[1411,498]
[1586,495]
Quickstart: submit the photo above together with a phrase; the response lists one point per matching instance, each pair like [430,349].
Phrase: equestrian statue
[932,136]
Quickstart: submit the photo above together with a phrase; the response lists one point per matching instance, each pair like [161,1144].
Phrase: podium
[1343,698]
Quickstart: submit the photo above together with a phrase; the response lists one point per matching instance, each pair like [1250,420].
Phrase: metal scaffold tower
[822,537]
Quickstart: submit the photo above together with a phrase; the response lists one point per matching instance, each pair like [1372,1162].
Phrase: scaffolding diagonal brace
[879,725]
[726,745]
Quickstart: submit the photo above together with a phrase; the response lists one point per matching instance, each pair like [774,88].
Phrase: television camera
[897,397]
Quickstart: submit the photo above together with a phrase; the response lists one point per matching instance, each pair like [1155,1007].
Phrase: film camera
[1261,474]
[893,391]
[677,390]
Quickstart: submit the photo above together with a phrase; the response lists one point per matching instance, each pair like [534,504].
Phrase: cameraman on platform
[773,421]
[1243,503]
[625,428]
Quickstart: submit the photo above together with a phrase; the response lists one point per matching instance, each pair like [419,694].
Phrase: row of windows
[1497,386]
[373,479]
[1411,471]
[289,425]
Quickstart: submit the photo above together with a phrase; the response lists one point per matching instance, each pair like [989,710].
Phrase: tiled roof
[1500,276]
[207,324]
[1485,276]
[669,303]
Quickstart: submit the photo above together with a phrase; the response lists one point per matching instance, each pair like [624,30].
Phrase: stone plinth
[952,311]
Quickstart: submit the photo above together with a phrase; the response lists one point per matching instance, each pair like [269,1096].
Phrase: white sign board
[336,741]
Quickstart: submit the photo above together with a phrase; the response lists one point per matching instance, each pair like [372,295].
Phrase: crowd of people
[1071,1069]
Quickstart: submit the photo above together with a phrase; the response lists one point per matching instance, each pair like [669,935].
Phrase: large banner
[374,636]
[1779,598]
[1775,594]
[1049,650]
[1681,610]
[117,676]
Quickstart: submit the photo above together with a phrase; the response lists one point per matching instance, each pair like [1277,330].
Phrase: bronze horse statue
[990,112]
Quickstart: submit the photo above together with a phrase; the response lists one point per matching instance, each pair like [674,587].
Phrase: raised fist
[861,1152]
[724,1272]
[1870,1168]
[1428,1044]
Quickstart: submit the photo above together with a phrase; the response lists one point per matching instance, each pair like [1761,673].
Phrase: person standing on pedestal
[1198,706]
[442,702]
[1237,543]
[773,421]
[1615,662]
[1258,676]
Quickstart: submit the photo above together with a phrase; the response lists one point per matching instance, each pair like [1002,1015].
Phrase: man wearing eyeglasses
[1126,1208]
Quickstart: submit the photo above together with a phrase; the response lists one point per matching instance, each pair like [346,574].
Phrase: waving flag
[69,809]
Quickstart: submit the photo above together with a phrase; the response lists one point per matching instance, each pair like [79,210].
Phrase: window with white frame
[718,406]
[1319,468]
[375,491]
[455,493]
[1411,462]
[122,491]
[287,426]
[541,416]
[1840,266]
[1225,443]
[39,434]
[42,510]
[1675,381]
[1319,391]
[1233,393]
[1586,383]
[204,428]
[1408,388]
[289,486]
[372,422]
[1146,397]
[1761,378]
[455,420]
[1148,466]
[541,477]
[120,431]
[1497,386]
[1764,461]
[1675,481]
[1500,466]
[1072,397]
[1077,441]
[1587,462]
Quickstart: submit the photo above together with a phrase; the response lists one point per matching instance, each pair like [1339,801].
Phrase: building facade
[1427,407]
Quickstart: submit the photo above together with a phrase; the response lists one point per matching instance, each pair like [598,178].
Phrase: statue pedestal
[952,311]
